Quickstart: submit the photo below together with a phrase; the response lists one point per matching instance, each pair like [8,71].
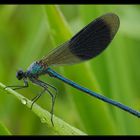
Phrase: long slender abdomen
[99,96]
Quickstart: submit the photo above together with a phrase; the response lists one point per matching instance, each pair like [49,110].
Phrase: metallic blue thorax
[35,69]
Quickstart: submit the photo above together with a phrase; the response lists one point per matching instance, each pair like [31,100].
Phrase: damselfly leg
[46,87]
[16,87]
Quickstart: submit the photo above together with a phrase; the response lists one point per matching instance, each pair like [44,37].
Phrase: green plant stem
[4,130]
[60,126]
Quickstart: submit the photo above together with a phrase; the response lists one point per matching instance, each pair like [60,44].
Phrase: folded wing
[87,43]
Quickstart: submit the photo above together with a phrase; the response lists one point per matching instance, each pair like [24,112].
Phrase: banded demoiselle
[86,44]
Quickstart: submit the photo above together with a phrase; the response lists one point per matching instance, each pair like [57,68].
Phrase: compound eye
[20,74]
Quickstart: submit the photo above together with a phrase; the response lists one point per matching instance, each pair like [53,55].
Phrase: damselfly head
[20,74]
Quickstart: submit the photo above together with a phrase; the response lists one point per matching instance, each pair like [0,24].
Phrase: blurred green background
[28,32]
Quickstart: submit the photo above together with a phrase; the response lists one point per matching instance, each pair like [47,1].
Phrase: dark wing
[87,43]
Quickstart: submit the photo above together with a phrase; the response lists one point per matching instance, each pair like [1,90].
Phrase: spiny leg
[53,101]
[54,88]
[45,86]
[36,98]
[16,87]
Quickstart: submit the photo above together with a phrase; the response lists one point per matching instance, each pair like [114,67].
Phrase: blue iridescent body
[88,43]
[35,69]
[85,90]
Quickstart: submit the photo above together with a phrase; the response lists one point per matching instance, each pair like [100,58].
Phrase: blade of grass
[4,130]
[60,126]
